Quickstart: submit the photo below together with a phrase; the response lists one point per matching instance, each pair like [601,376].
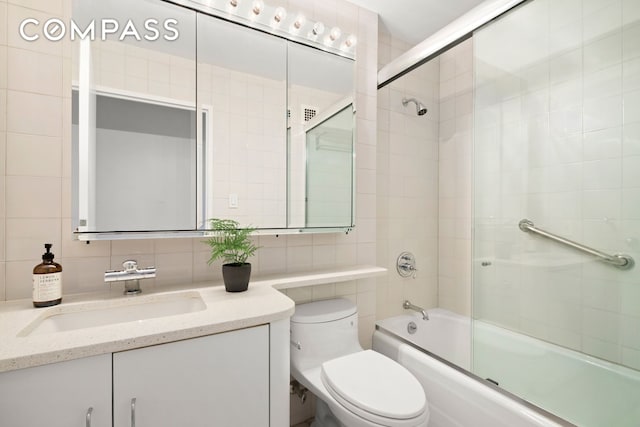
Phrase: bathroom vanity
[202,367]
[200,381]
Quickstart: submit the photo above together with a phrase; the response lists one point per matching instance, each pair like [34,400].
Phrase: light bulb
[318,28]
[351,41]
[299,22]
[258,5]
[280,14]
[335,34]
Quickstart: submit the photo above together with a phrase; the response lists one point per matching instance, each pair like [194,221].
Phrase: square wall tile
[600,22]
[173,269]
[272,260]
[30,71]
[602,144]
[86,274]
[34,155]
[34,114]
[18,279]
[25,238]
[603,53]
[203,272]
[320,292]
[33,197]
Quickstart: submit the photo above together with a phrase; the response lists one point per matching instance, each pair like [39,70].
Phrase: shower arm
[622,261]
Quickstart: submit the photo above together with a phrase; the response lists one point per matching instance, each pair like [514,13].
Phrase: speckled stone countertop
[262,303]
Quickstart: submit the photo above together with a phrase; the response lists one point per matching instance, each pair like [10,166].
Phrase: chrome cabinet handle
[89,412]
[133,412]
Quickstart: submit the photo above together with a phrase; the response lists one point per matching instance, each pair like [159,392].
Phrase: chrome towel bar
[622,261]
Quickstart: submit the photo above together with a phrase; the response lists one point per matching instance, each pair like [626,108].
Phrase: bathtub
[583,390]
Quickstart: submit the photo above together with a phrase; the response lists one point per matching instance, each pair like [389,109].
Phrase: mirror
[225,122]
[242,87]
[133,118]
[320,139]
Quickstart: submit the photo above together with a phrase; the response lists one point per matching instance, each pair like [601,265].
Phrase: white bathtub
[584,390]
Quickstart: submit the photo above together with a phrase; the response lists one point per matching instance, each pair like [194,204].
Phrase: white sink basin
[109,312]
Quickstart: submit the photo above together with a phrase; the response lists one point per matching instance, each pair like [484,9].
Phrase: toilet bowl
[355,387]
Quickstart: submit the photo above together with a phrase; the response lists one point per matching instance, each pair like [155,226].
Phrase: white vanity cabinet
[216,380]
[58,394]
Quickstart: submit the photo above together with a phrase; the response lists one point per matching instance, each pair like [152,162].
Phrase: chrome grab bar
[622,261]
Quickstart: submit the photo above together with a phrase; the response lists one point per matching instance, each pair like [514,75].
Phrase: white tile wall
[576,176]
[407,183]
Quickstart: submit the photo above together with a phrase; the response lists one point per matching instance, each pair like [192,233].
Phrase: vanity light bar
[274,18]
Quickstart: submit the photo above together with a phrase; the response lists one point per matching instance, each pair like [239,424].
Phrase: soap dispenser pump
[47,280]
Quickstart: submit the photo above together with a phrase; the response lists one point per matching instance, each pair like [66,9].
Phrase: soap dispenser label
[47,287]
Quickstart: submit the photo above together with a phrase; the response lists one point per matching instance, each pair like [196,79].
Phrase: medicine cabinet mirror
[223,121]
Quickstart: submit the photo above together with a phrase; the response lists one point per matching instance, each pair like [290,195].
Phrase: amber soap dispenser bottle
[47,281]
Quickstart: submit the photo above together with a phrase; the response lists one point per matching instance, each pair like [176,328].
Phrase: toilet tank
[321,331]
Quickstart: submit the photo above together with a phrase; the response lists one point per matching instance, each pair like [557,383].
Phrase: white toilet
[355,387]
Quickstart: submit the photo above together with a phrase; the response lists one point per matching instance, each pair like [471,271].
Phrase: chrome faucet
[131,276]
[408,306]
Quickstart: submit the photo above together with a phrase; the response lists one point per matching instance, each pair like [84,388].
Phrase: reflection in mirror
[329,178]
[142,177]
[320,138]
[242,82]
[134,143]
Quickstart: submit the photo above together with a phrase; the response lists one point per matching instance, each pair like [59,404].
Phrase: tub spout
[408,306]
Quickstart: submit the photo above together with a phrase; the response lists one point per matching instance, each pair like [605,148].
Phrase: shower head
[421,110]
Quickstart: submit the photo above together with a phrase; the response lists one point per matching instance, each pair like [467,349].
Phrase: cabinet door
[58,395]
[217,380]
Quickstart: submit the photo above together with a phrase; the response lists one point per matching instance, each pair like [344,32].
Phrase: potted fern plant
[233,245]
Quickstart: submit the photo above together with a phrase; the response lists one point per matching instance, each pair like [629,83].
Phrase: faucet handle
[130,265]
[406,265]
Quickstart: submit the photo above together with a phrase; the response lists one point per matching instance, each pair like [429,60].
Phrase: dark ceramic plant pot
[236,276]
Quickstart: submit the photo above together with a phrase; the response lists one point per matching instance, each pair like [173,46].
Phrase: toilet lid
[375,384]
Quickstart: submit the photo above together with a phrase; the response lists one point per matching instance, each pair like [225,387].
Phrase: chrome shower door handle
[133,412]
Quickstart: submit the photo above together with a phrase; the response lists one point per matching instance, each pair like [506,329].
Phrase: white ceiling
[415,20]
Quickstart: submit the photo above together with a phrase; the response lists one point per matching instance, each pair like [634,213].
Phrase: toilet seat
[375,388]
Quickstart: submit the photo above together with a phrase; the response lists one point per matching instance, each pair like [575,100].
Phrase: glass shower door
[557,142]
